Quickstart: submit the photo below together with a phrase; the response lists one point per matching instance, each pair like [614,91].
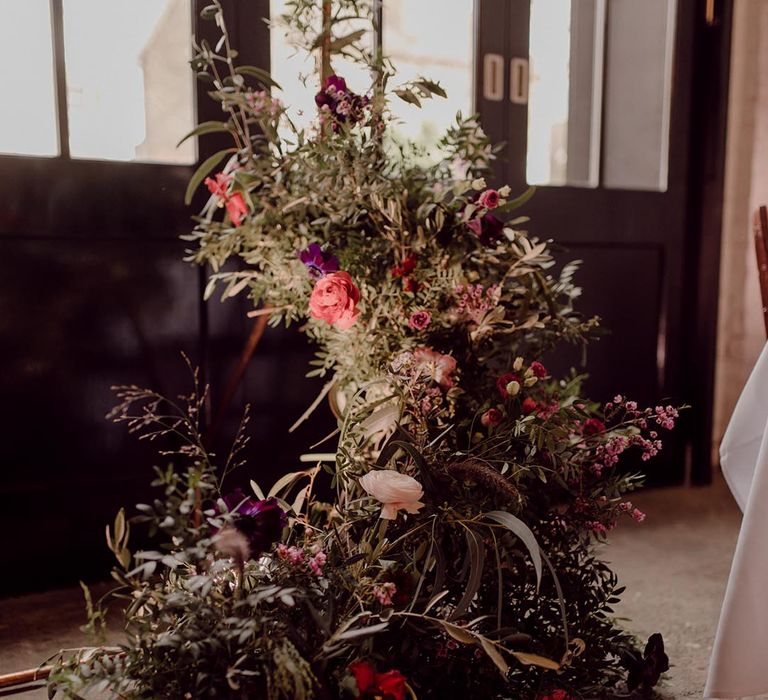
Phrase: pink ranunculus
[236,208]
[419,320]
[396,491]
[489,199]
[334,300]
[435,365]
[492,417]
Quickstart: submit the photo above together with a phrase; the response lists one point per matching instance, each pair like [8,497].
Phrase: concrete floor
[675,566]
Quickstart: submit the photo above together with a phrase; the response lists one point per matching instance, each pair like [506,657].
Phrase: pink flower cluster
[636,514]
[384,593]
[315,558]
[665,416]
[473,301]
[607,455]
[261,102]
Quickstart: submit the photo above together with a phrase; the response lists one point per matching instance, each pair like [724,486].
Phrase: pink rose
[435,365]
[396,492]
[419,320]
[491,418]
[334,300]
[489,199]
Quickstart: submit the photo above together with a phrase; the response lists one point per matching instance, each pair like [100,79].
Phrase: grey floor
[675,566]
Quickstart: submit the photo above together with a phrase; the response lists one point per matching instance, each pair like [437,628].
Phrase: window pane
[638,88]
[28,103]
[417,49]
[130,89]
[564,103]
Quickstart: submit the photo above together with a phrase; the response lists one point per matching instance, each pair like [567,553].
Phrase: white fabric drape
[739,665]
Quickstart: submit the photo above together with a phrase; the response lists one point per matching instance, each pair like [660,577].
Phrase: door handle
[518,81]
[493,77]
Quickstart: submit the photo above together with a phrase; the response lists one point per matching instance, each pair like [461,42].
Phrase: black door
[615,110]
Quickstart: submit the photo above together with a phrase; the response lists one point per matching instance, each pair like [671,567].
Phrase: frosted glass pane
[417,49]
[564,92]
[28,104]
[638,87]
[130,90]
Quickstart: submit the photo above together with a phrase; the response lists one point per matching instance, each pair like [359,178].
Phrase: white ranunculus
[396,492]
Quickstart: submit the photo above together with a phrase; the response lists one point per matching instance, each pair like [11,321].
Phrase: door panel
[615,146]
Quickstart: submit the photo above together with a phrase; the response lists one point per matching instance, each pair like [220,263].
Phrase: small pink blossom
[638,515]
[419,320]
[435,365]
[384,592]
[626,506]
[317,562]
[489,199]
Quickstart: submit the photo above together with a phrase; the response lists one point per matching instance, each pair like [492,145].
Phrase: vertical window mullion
[60,73]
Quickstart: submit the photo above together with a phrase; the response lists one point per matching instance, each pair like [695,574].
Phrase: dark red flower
[593,426]
[410,285]
[529,405]
[406,267]
[377,686]
[503,380]
[391,684]
[558,694]
[488,228]
[538,370]
[491,418]
[365,675]
[645,670]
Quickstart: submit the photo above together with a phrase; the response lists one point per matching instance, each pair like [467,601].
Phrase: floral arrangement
[470,485]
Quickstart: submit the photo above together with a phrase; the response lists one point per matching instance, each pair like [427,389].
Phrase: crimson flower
[406,267]
[503,380]
[593,426]
[539,370]
[377,686]
[558,694]
[488,229]
[529,405]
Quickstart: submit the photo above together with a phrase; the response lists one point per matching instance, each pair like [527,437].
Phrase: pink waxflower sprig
[311,559]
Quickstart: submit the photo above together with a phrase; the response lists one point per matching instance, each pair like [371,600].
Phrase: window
[129,89]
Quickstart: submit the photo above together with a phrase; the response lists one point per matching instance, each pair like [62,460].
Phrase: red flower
[558,694]
[383,686]
[236,208]
[234,203]
[503,380]
[410,285]
[529,405]
[538,370]
[492,417]
[593,426]
[406,267]
[365,675]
